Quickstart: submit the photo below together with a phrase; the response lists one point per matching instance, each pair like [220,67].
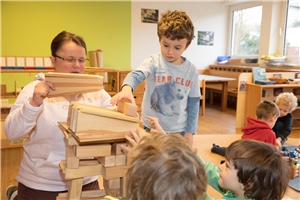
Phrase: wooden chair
[202,97]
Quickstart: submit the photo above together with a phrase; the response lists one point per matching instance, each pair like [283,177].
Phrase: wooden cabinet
[257,93]
[138,93]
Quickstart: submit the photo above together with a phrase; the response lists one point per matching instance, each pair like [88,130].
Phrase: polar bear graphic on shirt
[165,99]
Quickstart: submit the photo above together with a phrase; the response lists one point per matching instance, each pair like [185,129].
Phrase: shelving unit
[111,86]
[257,93]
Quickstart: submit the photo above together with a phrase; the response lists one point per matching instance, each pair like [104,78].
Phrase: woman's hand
[40,92]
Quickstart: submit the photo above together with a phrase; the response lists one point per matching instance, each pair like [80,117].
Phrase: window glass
[246,31]
[292,34]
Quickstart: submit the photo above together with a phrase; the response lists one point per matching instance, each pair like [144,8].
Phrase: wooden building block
[86,168]
[114,183]
[114,172]
[71,159]
[127,108]
[116,148]
[99,150]
[123,186]
[111,192]
[121,159]
[107,161]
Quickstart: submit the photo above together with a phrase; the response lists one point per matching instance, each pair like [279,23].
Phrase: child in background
[163,166]
[252,169]
[260,128]
[172,91]
[287,103]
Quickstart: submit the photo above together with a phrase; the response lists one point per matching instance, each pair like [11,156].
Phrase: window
[292,29]
[245,35]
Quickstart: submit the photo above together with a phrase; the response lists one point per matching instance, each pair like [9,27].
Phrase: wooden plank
[71,159]
[116,148]
[88,122]
[93,150]
[65,83]
[114,172]
[75,188]
[96,110]
[86,168]
[114,183]
[85,195]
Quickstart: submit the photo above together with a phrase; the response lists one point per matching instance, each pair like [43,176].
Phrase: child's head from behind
[286,102]
[261,171]
[268,112]
[164,167]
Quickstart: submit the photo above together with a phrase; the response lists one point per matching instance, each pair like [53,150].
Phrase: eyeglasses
[73,60]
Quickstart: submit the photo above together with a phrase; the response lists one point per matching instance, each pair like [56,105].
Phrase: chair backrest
[202,97]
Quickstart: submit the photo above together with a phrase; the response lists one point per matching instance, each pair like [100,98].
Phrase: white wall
[206,16]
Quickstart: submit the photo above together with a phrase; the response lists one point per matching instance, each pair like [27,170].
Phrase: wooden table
[210,80]
[203,144]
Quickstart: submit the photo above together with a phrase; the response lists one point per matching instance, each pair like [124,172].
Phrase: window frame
[277,29]
[233,8]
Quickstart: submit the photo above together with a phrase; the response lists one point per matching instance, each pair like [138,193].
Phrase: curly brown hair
[260,168]
[175,25]
[163,166]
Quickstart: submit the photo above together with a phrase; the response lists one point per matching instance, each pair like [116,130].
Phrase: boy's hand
[126,93]
[278,142]
[190,138]
[153,121]
[134,140]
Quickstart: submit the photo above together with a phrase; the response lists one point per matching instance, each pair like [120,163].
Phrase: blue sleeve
[133,79]
[193,112]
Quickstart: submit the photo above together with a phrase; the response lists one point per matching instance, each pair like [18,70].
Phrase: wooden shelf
[254,97]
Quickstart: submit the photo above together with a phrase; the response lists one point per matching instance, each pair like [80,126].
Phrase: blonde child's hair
[266,109]
[287,99]
[175,25]
[260,168]
[163,166]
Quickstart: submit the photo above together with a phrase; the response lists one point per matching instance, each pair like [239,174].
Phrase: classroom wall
[29,27]
[206,16]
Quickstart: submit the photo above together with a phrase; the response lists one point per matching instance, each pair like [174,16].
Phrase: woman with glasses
[35,116]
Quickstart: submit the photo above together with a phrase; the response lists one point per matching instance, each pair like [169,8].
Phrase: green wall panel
[27,29]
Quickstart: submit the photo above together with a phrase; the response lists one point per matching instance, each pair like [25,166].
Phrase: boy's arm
[192,112]
[287,127]
[132,80]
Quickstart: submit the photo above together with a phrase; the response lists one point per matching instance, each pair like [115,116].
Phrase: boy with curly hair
[172,88]
[287,103]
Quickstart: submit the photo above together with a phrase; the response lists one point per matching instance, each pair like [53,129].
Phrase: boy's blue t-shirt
[172,93]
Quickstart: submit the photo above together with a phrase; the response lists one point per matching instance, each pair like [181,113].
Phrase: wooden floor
[217,122]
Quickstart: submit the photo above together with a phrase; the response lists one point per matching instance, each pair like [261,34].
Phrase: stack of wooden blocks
[94,137]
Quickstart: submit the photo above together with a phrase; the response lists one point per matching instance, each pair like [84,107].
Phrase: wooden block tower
[94,137]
